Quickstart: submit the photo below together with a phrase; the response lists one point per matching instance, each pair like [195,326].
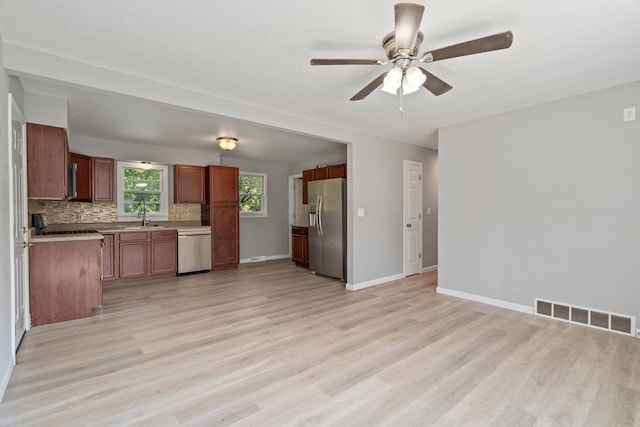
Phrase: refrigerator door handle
[320,231]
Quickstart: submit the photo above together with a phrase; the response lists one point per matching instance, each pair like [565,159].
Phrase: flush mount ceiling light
[227,143]
[145,165]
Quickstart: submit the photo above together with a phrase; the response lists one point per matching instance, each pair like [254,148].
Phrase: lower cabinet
[300,246]
[163,250]
[133,255]
[128,256]
[109,256]
[64,280]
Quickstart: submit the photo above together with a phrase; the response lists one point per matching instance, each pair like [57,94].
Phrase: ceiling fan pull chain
[401,96]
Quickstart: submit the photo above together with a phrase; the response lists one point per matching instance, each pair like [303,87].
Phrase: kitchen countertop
[65,237]
[106,228]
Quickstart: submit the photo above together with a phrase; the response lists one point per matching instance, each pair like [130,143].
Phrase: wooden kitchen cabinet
[94,178]
[133,255]
[300,246]
[337,171]
[136,255]
[47,160]
[163,251]
[109,257]
[188,184]
[84,177]
[307,176]
[325,172]
[64,280]
[103,178]
[222,184]
[321,173]
[221,212]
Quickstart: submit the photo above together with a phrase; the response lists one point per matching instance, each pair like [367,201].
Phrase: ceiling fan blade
[434,84]
[368,88]
[338,61]
[408,19]
[484,44]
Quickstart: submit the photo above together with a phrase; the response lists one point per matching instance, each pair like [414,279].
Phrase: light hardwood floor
[270,344]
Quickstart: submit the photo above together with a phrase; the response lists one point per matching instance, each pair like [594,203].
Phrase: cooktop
[49,233]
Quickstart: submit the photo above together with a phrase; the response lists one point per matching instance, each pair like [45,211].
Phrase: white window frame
[263,213]
[163,215]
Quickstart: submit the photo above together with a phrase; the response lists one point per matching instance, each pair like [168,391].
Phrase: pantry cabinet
[221,212]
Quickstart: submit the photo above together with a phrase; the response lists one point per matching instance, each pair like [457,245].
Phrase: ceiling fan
[402,47]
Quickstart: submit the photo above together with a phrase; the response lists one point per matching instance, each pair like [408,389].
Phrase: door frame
[14,108]
[405,164]
[292,181]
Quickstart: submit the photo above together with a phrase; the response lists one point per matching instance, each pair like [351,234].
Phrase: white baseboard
[260,258]
[485,300]
[431,268]
[358,286]
[5,379]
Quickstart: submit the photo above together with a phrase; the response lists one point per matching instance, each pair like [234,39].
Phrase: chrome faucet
[144,211]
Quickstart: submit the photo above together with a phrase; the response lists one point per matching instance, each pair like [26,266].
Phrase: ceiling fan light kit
[409,79]
[401,47]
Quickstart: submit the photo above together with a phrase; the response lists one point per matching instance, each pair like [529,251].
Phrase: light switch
[360,212]
[629,114]
[428,211]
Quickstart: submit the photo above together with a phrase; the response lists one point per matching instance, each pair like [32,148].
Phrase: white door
[412,217]
[19,227]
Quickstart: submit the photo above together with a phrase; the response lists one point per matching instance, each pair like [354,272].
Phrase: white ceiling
[257,54]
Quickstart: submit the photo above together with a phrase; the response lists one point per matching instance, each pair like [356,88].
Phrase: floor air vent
[619,323]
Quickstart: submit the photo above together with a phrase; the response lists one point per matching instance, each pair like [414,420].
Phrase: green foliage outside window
[251,193]
[144,185]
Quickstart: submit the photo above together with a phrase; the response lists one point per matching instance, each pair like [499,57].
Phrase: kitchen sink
[146,227]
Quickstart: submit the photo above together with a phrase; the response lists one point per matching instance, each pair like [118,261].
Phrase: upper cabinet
[222,185]
[47,159]
[188,184]
[319,173]
[103,179]
[84,180]
[307,176]
[94,178]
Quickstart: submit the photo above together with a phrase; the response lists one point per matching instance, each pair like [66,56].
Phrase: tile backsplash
[61,212]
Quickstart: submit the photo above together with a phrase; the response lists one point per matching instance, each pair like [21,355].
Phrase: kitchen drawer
[164,234]
[300,231]
[133,235]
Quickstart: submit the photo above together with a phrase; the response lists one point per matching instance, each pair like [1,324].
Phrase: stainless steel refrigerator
[327,227]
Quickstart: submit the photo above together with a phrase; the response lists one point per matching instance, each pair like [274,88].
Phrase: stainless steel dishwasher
[194,249]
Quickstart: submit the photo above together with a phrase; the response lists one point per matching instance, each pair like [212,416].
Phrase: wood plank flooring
[271,345]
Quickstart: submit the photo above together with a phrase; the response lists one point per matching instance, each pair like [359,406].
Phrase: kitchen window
[253,194]
[142,186]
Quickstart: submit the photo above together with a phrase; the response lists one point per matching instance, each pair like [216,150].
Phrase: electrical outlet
[80,217]
[176,215]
